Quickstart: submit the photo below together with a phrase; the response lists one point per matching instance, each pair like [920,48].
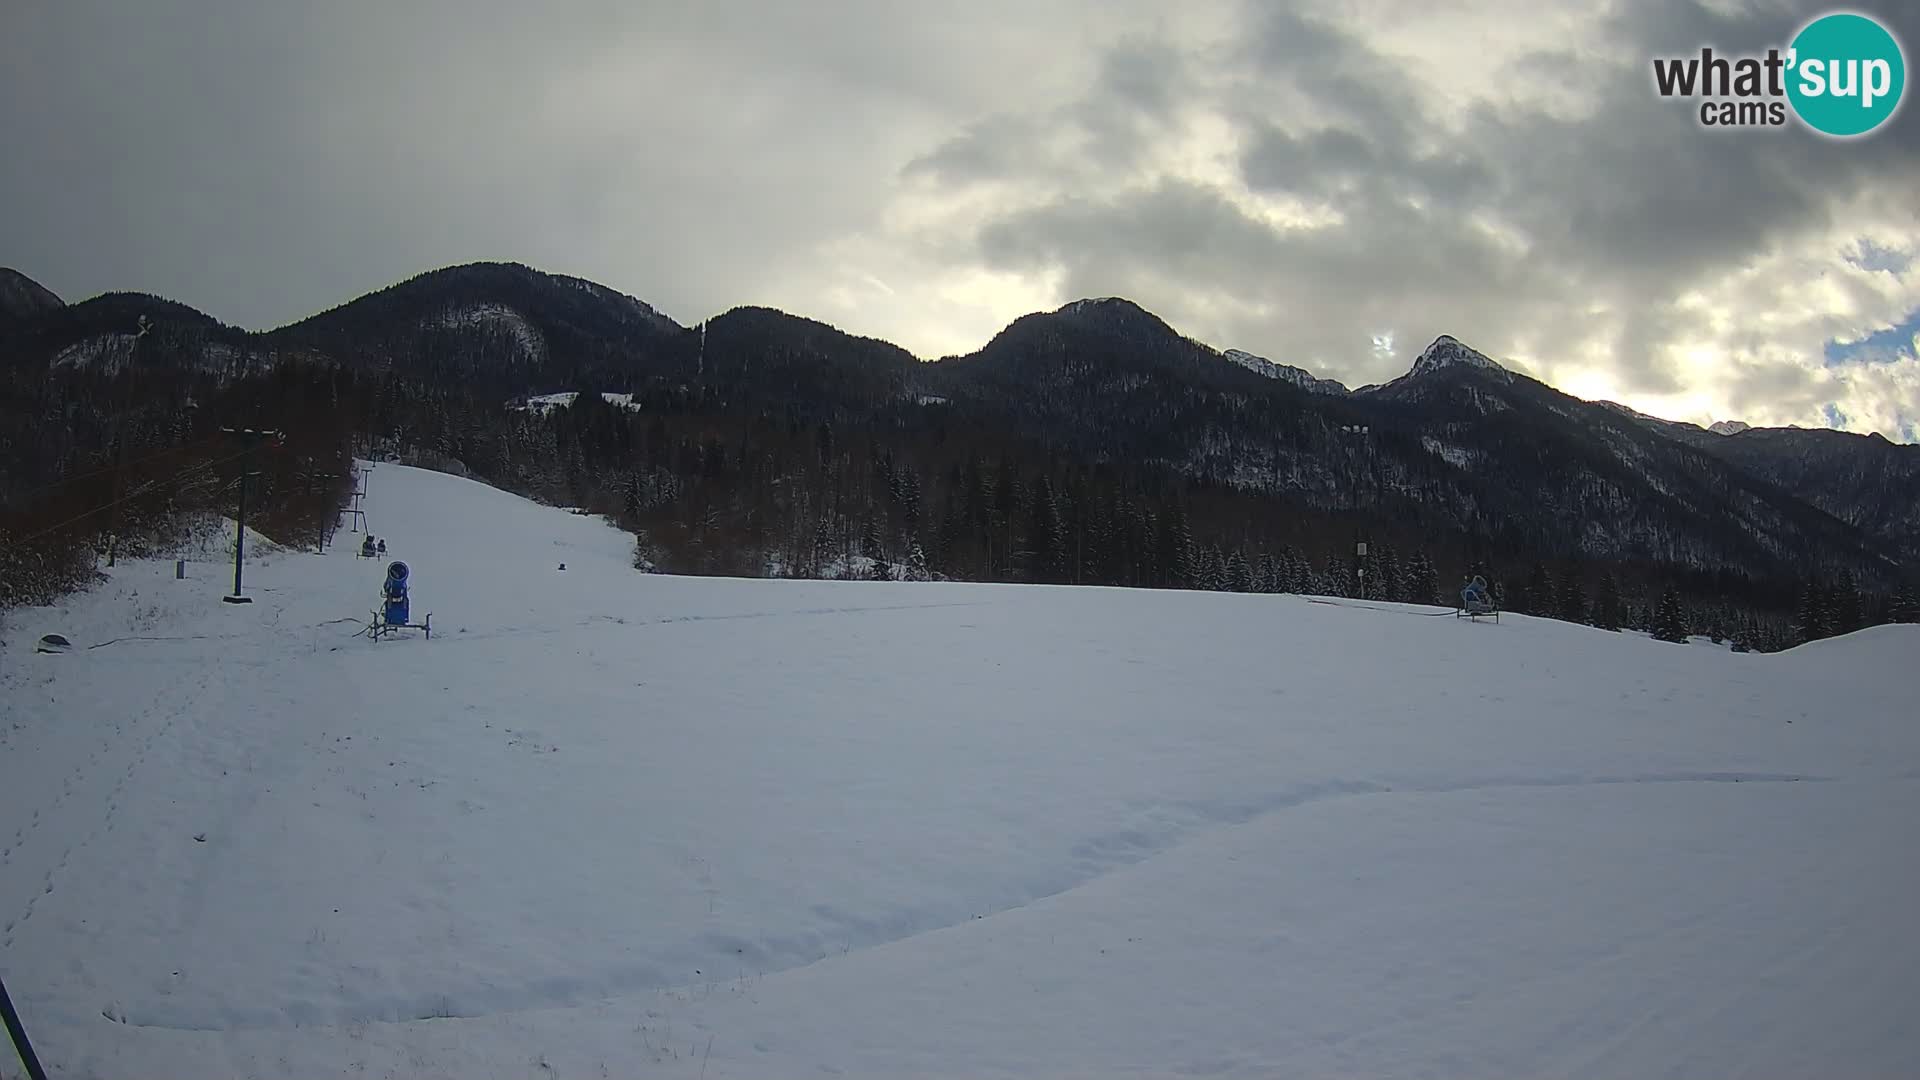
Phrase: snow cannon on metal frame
[396,610]
[1476,601]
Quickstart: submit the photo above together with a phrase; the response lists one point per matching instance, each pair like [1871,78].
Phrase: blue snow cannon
[395,593]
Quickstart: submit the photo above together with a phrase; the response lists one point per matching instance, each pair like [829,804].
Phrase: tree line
[110,461]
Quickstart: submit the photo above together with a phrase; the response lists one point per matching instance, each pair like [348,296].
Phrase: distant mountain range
[1458,446]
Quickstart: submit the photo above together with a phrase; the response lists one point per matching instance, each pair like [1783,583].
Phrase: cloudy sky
[1330,184]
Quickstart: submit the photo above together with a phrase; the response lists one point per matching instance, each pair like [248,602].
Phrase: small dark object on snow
[381,547]
[54,643]
[563,566]
[200,837]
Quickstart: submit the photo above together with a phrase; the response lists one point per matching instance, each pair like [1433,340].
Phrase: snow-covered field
[615,824]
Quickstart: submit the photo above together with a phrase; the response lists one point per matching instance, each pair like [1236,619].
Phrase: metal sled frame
[380,627]
[1476,614]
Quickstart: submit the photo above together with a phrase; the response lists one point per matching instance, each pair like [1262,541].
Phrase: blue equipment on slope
[396,607]
[395,593]
[1475,600]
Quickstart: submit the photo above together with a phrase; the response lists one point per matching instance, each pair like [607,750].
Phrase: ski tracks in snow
[455,634]
[153,808]
[1160,827]
[87,804]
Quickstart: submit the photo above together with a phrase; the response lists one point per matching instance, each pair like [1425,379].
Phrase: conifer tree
[1239,574]
[1536,596]
[1607,613]
[1179,567]
[1338,581]
[1669,620]
[1905,607]
[1572,603]
[1811,621]
[871,547]
[1423,580]
[1846,607]
[1213,570]
[1384,577]
[1268,580]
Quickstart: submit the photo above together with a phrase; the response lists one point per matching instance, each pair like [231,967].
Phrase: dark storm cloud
[1116,123]
[263,161]
[1351,84]
[1643,187]
[1291,179]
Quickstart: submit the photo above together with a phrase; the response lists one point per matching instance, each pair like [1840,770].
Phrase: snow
[1300,377]
[1729,427]
[1090,303]
[109,351]
[614,823]
[545,403]
[526,336]
[1447,352]
[1457,456]
[601,292]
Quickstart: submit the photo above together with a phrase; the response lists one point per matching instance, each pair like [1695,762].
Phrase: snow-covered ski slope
[616,824]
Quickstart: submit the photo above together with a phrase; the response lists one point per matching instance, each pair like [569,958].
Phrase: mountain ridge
[1298,376]
[1458,445]
[1444,351]
[22,297]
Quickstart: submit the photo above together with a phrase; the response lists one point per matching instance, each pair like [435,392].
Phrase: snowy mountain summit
[1098,303]
[1729,427]
[1447,352]
[1300,377]
[1118,316]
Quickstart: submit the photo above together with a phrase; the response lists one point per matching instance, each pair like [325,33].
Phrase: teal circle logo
[1846,76]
